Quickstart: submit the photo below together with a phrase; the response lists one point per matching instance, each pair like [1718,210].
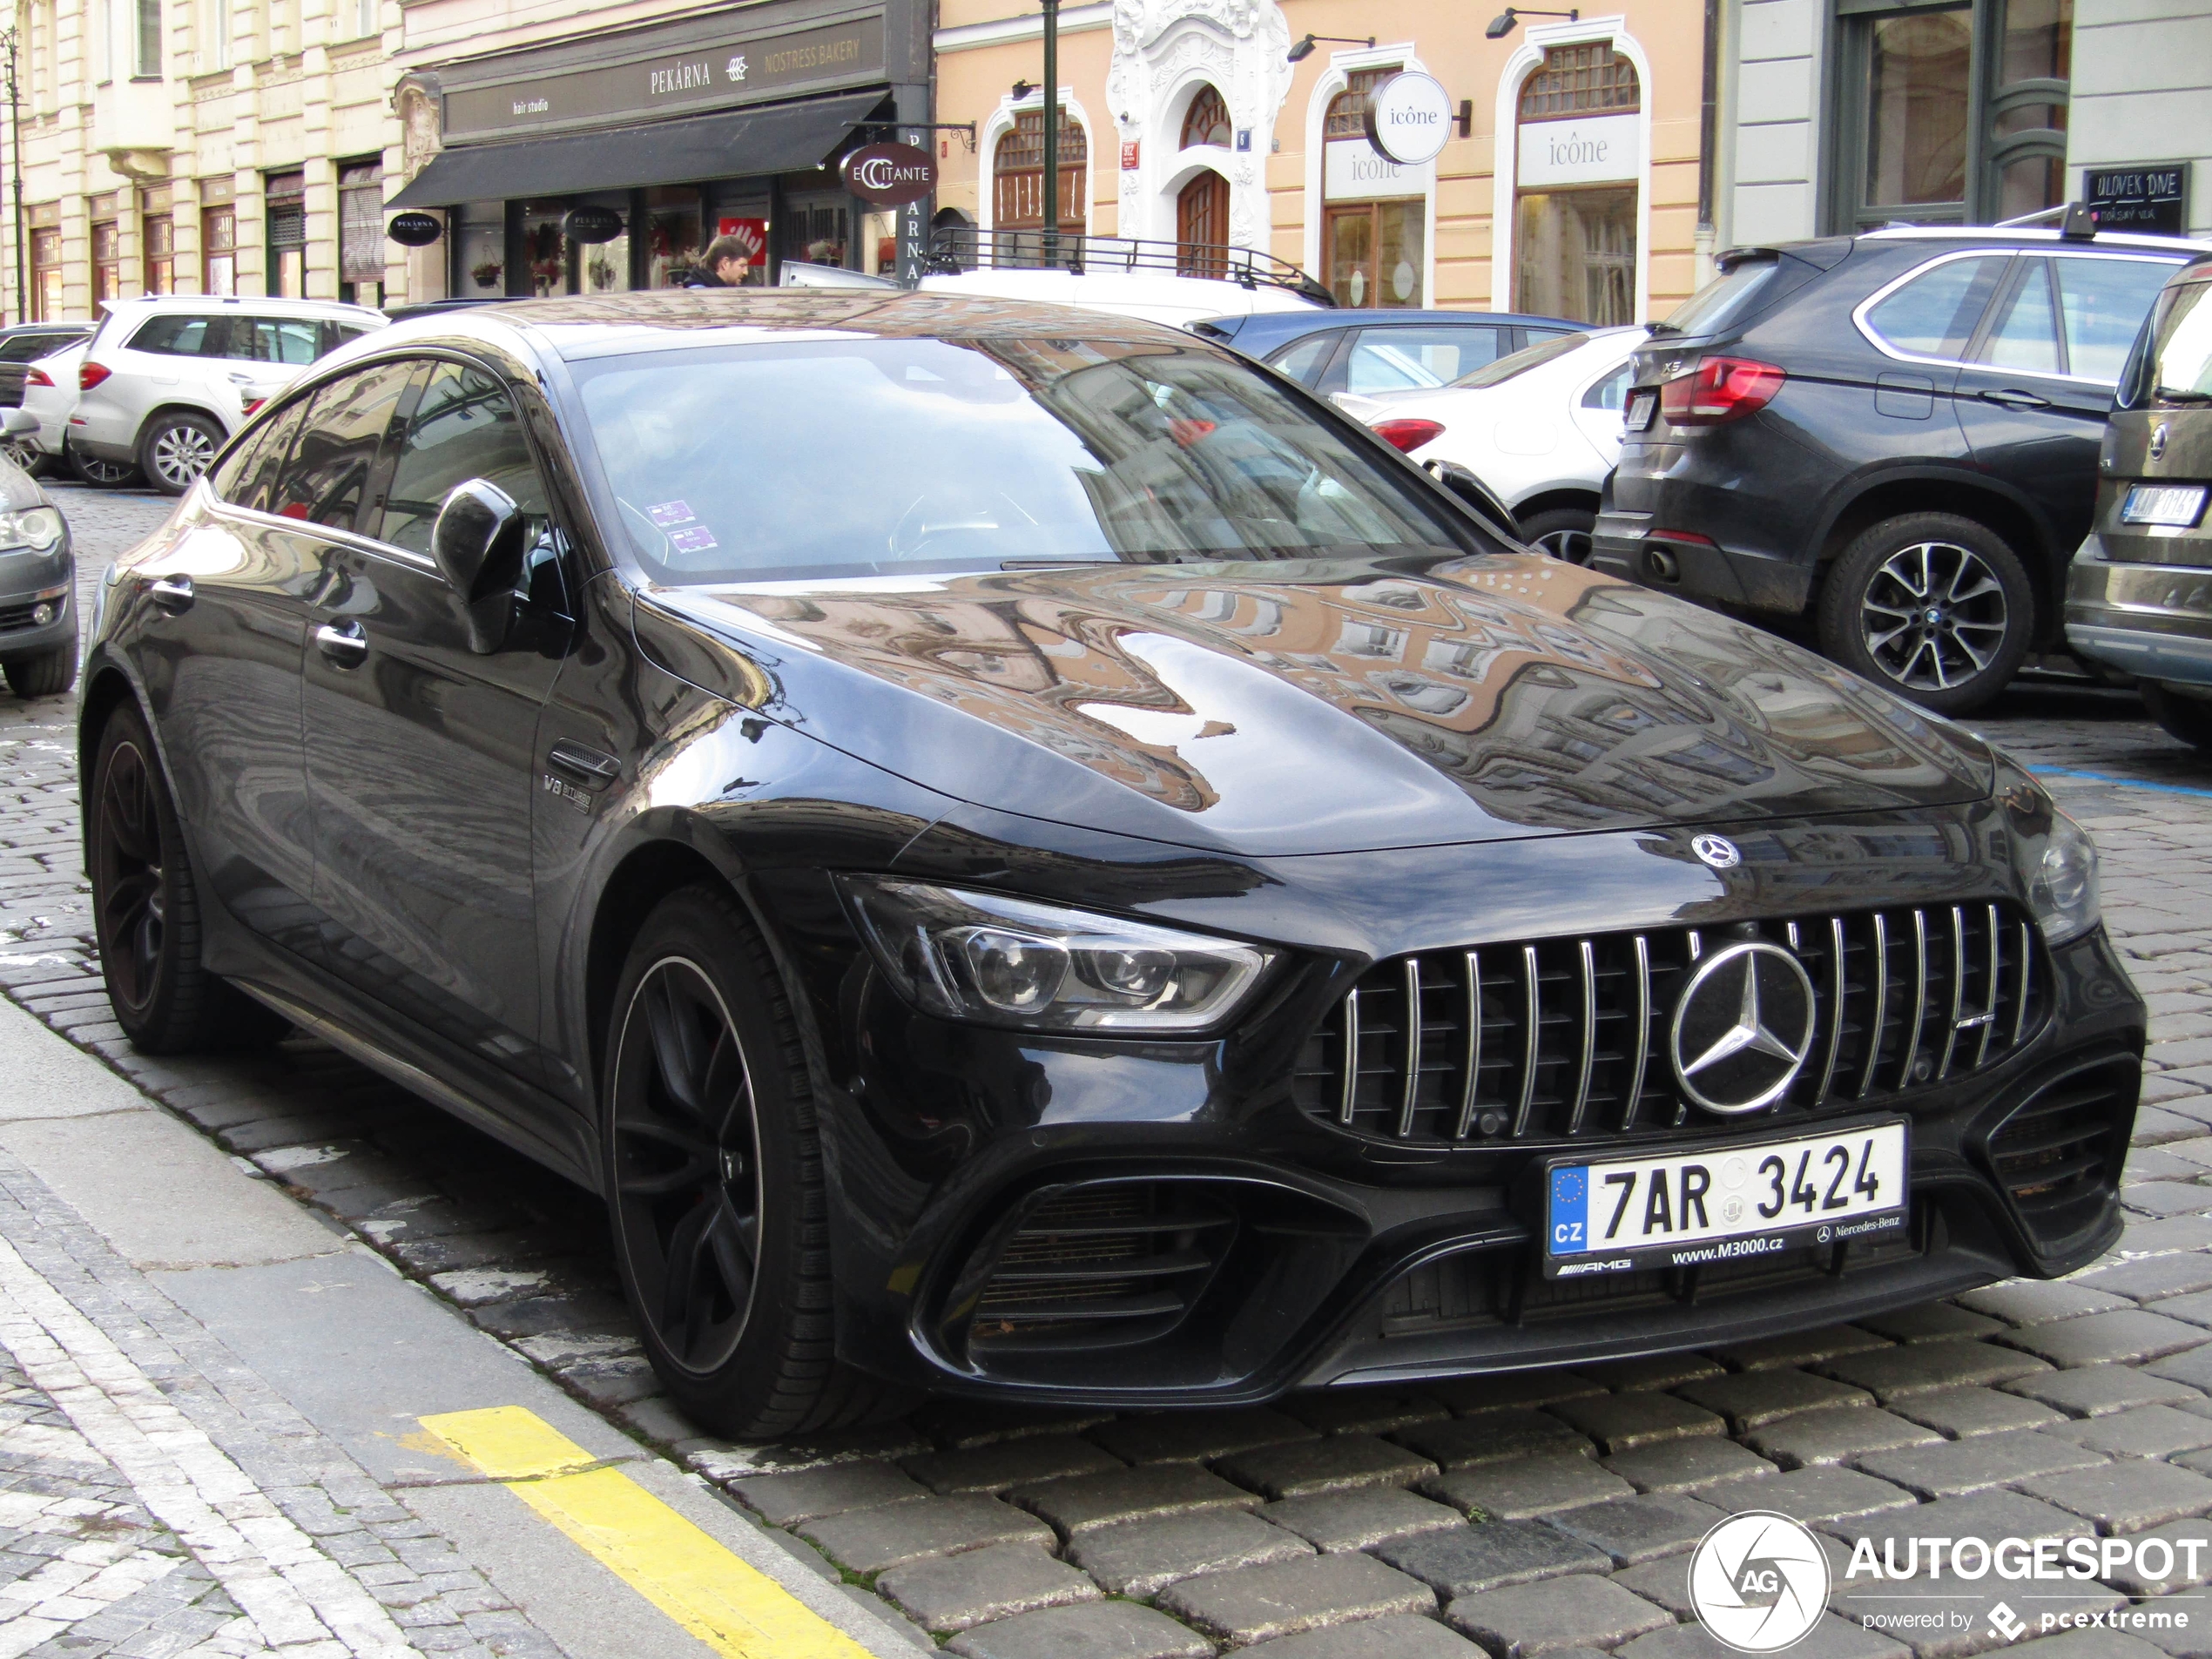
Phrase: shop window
[1374,253]
[46,274]
[159,234]
[1207,120]
[107,261]
[545,245]
[1202,225]
[1017,173]
[286,204]
[603,267]
[361,233]
[1908,144]
[218,250]
[673,231]
[1578,162]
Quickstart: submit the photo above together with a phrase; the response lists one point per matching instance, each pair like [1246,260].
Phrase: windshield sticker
[698,539]
[670,512]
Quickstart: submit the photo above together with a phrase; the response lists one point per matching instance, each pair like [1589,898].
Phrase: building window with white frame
[219,34]
[366,20]
[1578,161]
[146,40]
[1374,215]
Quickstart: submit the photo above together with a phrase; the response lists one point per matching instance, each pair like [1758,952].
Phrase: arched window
[1017,170]
[1371,234]
[1202,224]
[1347,116]
[1207,120]
[1575,236]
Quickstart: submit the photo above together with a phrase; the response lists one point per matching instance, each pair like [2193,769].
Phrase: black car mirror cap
[477,544]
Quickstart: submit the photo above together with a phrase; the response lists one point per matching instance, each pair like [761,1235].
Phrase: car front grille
[1569,1038]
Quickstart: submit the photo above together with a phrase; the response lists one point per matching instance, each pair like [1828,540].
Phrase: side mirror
[477,544]
[16,423]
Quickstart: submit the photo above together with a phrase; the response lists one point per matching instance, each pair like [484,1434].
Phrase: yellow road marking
[732,1607]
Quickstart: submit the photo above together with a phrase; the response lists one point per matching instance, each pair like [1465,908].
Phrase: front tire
[146,909]
[714,1178]
[41,673]
[1564,532]
[176,449]
[1933,606]
[2187,717]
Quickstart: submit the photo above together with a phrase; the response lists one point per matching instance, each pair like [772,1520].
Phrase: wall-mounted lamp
[1304,50]
[1022,90]
[1501,25]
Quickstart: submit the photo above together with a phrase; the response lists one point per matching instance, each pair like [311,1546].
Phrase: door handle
[2011,398]
[342,643]
[586,767]
[172,593]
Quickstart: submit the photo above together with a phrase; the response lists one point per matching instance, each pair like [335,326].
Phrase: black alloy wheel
[714,1182]
[101,475]
[1933,606]
[2182,715]
[146,909]
[1564,532]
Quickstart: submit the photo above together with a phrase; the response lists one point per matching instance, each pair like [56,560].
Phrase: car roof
[1277,327]
[580,327]
[1997,236]
[255,304]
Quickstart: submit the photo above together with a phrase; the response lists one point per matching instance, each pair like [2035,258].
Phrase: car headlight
[986,957]
[37,527]
[2057,861]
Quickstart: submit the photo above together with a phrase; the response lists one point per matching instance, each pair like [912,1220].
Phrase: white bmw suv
[167,378]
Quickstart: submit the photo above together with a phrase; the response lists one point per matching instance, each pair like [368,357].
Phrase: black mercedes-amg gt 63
[1029,857]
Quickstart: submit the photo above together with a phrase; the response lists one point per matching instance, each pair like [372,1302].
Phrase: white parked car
[1541,427]
[168,378]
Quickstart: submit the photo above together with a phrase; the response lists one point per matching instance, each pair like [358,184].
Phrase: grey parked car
[2138,594]
[38,579]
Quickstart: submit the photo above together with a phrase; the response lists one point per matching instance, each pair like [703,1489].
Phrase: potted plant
[486,274]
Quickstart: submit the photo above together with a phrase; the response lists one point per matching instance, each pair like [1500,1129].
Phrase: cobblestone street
[1539,1514]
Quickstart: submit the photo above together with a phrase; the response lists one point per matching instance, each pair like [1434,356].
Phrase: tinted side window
[462,427]
[182,336]
[244,476]
[23,348]
[1612,392]
[2101,305]
[274,339]
[1933,315]
[1389,359]
[2025,334]
[1304,360]
[329,475]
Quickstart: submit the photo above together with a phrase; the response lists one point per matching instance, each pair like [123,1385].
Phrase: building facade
[1570,185]
[223,146]
[589,149]
[1841,115]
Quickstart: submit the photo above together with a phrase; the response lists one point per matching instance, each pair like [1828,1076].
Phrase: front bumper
[1250,1248]
[29,581]
[2152,621]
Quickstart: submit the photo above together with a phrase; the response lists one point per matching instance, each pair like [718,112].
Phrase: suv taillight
[1408,432]
[90,374]
[36,377]
[1719,390]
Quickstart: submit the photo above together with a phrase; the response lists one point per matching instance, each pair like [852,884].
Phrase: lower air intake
[2058,1157]
[1101,1266]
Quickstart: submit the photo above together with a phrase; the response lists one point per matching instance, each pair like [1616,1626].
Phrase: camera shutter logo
[1759,1581]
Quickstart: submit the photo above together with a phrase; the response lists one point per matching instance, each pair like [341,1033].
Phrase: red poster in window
[753,233]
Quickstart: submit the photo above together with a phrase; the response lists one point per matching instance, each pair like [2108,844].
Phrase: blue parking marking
[2124,783]
[1570,1210]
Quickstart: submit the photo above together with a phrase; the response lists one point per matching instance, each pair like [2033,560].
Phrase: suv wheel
[1564,532]
[714,1178]
[1933,606]
[101,475]
[176,447]
[24,454]
[2187,717]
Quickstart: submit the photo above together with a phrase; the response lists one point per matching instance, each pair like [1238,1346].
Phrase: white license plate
[1641,407]
[1725,1204]
[2177,505]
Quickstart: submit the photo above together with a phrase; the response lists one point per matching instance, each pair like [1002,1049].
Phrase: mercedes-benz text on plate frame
[1725,1204]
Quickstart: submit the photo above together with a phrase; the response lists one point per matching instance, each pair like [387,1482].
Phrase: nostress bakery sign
[721,70]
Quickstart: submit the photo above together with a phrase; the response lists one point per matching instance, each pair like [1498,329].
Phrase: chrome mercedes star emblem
[1718,851]
[1743,1028]
[2158,441]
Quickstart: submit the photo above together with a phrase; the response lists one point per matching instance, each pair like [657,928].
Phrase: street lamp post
[8,39]
[1051,131]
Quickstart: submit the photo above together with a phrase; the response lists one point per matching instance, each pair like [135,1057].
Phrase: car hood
[1317,706]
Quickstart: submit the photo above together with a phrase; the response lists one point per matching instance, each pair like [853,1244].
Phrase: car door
[2035,392]
[419,749]
[218,636]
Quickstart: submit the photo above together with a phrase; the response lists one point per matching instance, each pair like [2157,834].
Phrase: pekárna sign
[1604,150]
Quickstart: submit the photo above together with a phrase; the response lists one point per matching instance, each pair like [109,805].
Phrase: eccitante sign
[890,175]
[1603,150]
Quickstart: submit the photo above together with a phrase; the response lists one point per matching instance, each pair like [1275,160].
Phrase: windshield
[858,457]
[2181,344]
[1721,301]
[1521,361]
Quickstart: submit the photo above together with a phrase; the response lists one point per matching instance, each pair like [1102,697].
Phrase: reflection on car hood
[1324,706]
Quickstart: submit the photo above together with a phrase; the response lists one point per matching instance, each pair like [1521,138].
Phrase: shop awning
[777,138]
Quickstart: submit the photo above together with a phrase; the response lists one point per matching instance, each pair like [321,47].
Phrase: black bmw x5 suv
[1892,436]
[1028,856]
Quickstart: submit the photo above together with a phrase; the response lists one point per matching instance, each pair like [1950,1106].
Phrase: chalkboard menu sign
[2151,198]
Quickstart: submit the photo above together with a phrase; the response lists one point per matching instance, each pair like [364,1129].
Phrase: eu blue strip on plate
[1570,1210]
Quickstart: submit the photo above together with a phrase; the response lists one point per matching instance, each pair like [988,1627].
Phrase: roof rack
[955,248]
